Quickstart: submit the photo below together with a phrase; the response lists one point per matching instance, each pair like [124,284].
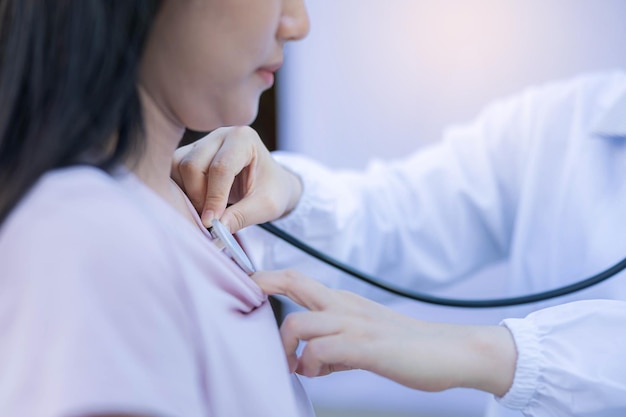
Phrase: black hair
[68,87]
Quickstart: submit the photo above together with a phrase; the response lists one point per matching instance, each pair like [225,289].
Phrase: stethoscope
[225,241]
[234,250]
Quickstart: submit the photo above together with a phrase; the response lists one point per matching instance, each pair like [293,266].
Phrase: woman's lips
[267,73]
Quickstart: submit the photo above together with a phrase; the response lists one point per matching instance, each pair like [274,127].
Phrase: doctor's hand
[345,331]
[231,165]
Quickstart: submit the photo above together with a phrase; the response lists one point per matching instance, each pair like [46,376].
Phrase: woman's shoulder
[68,191]
[76,218]
[77,196]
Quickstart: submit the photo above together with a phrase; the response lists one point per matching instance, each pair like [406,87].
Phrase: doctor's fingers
[208,168]
[325,355]
[298,287]
[264,190]
[231,178]
[342,330]
[326,350]
[190,166]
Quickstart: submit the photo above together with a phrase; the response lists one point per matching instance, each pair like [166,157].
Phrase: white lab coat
[538,180]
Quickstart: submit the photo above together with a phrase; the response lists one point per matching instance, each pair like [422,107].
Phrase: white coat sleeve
[429,219]
[570,360]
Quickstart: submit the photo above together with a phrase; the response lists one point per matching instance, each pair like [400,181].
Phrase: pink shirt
[112,302]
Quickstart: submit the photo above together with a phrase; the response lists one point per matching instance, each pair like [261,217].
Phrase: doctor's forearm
[432,356]
[489,357]
[346,331]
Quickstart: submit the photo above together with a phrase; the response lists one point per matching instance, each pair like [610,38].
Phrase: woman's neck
[162,136]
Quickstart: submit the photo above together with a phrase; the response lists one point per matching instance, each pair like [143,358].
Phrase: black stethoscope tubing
[443,301]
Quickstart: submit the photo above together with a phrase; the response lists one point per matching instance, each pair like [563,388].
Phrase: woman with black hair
[113,299]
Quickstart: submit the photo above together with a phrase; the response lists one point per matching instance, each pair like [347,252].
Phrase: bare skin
[342,330]
[345,331]
[191,76]
[233,166]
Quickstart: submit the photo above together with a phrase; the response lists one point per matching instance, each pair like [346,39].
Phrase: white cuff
[529,363]
[312,215]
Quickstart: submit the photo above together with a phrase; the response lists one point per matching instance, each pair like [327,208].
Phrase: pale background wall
[379,78]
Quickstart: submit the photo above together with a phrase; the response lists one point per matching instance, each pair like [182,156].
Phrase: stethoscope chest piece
[226,241]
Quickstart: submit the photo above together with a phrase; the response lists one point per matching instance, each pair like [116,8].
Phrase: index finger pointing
[301,289]
[190,165]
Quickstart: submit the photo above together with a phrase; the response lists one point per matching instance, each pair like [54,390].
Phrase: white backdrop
[380,78]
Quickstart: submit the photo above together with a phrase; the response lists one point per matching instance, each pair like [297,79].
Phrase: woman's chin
[241,117]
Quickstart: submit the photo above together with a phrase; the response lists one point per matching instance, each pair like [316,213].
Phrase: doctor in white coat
[538,179]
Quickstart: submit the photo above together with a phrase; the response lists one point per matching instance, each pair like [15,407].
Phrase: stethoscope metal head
[226,241]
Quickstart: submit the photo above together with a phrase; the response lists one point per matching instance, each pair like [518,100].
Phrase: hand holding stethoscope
[232,165]
[241,171]
[345,331]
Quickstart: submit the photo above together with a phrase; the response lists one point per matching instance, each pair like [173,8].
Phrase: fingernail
[207,216]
